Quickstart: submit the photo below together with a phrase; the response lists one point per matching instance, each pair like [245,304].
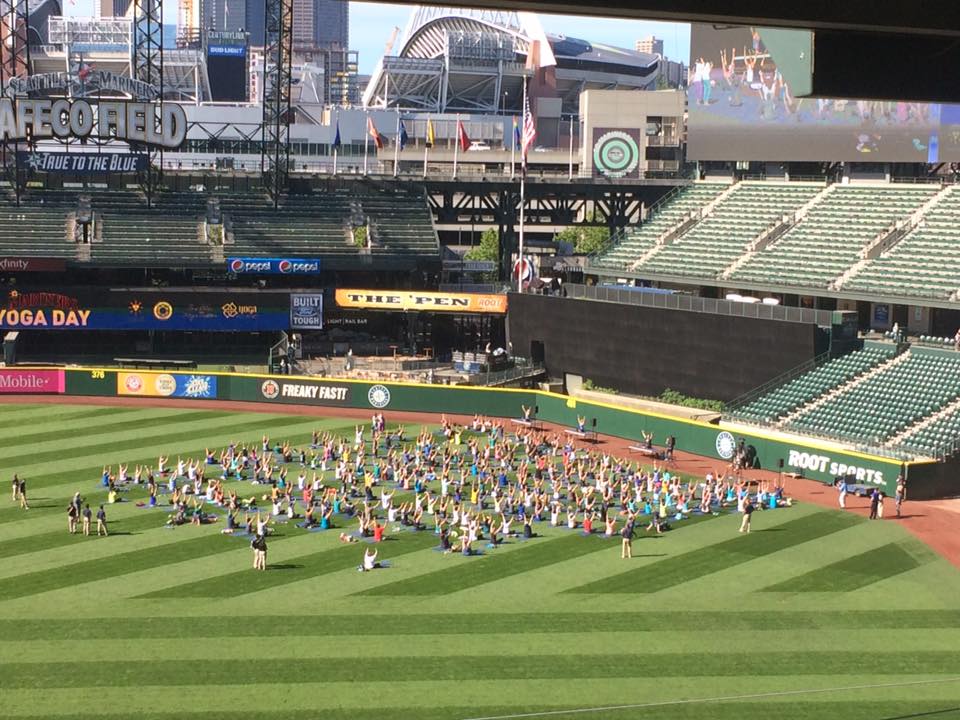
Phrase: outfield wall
[814,460]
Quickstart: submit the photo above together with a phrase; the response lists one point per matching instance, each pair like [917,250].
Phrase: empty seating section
[780,402]
[303,226]
[166,234]
[923,264]
[320,224]
[38,228]
[402,223]
[829,239]
[711,245]
[895,398]
[942,435]
[668,214]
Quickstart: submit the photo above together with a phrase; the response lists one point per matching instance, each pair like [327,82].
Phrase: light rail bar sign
[424,301]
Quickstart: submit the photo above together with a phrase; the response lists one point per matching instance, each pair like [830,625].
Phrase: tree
[488,249]
[585,239]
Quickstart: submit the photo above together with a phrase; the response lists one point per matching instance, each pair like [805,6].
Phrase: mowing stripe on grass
[728,710]
[291,570]
[114,447]
[852,573]
[116,565]
[480,570]
[226,671]
[722,556]
[28,419]
[47,541]
[474,623]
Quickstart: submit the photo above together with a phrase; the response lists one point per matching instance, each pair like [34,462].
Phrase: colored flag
[374,134]
[516,133]
[430,136]
[336,137]
[462,137]
[403,135]
[529,130]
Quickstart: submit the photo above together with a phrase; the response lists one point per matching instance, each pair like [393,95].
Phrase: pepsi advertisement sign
[273,266]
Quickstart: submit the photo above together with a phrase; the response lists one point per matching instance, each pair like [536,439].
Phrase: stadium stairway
[839,390]
[929,429]
[736,219]
[776,231]
[834,234]
[920,383]
[917,264]
[666,218]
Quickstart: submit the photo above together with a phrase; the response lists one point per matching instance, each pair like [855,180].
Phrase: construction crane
[393,38]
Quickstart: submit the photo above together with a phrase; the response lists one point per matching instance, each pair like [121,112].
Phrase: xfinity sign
[273,266]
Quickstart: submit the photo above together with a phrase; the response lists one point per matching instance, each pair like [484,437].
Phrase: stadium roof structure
[472,60]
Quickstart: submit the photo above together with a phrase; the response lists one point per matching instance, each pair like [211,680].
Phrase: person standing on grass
[87,514]
[626,546]
[747,513]
[22,490]
[874,503]
[259,545]
[15,485]
[102,522]
[72,518]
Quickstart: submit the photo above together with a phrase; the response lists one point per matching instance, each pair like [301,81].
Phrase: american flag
[529,130]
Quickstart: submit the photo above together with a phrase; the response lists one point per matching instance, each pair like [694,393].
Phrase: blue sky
[372,23]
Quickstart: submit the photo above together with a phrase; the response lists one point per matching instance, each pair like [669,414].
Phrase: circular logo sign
[379,396]
[525,271]
[134,383]
[616,154]
[236,265]
[166,385]
[285,266]
[163,310]
[270,389]
[726,445]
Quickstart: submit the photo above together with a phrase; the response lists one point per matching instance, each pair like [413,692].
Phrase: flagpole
[396,147]
[366,145]
[456,146]
[513,150]
[335,148]
[426,147]
[523,187]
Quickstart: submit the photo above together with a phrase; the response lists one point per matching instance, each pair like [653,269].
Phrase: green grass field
[159,623]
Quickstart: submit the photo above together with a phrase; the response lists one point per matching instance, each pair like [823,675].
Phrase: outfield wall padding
[645,350]
[811,459]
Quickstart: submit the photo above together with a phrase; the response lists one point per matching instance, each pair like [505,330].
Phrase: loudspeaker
[594,423]
[780,463]
[536,409]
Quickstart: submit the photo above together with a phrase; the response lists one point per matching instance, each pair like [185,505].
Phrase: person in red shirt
[378,531]
[588,524]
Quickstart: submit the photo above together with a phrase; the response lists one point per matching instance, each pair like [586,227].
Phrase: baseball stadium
[528,377]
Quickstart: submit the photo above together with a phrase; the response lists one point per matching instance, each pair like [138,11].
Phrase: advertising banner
[422,301]
[32,264]
[273,266]
[303,392]
[13,381]
[84,163]
[170,309]
[158,384]
[306,311]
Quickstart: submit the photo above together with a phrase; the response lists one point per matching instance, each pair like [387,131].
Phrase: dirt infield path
[934,522]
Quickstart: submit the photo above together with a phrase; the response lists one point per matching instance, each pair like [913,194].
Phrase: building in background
[331,23]
[651,45]
[114,8]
